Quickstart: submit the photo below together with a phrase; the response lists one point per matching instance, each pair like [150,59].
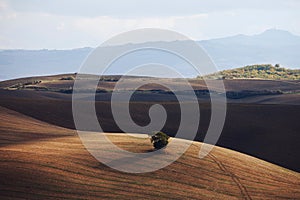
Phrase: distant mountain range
[272,46]
[23,63]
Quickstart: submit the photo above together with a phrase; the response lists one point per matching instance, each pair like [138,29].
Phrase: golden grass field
[43,161]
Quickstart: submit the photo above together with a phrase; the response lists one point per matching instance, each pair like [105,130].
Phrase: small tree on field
[159,140]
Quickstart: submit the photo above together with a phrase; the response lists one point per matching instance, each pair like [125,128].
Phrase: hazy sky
[65,24]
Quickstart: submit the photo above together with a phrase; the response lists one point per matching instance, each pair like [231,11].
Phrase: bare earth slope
[258,123]
[42,161]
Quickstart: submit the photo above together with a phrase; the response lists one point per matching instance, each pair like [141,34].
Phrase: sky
[68,24]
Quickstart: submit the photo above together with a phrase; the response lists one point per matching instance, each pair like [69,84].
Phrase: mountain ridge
[271,46]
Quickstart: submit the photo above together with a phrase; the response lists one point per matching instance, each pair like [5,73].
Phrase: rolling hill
[263,71]
[39,160]
[262,125]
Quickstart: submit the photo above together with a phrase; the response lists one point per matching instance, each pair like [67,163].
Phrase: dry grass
[56,82]
[41,161]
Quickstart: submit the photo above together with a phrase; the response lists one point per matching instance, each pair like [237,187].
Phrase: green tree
[159,140]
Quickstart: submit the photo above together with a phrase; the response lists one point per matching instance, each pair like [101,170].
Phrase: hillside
[264,71]
[63,82]
[270,115]
[38,160]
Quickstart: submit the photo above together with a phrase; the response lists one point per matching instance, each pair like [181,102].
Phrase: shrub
[159,140]
[69,78]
